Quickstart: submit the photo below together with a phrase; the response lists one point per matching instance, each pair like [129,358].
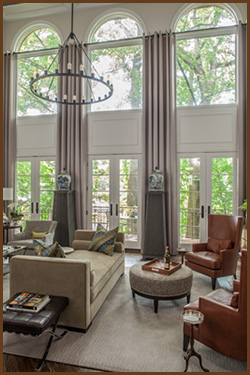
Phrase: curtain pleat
[242,113]
[159,133]
[72,134]
[9,121]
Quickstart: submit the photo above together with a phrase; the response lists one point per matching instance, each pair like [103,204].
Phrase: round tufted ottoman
[159,286]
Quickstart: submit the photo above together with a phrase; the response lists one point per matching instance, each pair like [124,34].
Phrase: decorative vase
[156,180]
[63,180]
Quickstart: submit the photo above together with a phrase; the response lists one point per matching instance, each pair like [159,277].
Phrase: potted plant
[15,212]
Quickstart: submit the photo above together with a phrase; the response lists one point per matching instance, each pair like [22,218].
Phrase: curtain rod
[128,39]
[174,32]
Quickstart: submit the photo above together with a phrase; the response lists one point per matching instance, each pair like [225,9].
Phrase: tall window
[206,56]
[119,60]
[34,57]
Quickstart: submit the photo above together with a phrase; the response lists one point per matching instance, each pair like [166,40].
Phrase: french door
[35,185]
[207,184]
[114,197]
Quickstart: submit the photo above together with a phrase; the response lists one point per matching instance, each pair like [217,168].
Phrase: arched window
[116,53]
[206,56]
[35,49]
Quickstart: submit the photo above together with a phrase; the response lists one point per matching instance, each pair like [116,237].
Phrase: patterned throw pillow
[103,240]
[45,250]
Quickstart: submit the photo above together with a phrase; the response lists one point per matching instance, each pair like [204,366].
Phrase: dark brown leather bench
[35,323]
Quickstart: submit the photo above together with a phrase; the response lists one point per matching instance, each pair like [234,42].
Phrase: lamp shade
[7,194]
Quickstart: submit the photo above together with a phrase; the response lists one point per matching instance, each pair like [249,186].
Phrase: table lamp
[7,196]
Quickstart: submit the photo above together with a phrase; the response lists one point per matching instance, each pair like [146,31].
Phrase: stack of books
[28,302]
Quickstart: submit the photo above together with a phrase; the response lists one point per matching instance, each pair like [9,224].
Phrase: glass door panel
[222,186]
[189,214]
[207,184]
[35,185]
[47,187]
[23,187]
[100,207]
[128,198]
[114,197]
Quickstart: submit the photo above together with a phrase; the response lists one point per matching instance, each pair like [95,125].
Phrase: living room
[153,143]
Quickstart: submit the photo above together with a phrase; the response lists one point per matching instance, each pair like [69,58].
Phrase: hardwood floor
[13,363]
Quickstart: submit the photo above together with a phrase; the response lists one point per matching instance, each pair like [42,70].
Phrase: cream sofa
[85,277]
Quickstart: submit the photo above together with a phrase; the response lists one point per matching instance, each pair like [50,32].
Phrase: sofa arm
[229,258]
[80,244]
[119,247]
[199,247]
[236,286]
[58,277]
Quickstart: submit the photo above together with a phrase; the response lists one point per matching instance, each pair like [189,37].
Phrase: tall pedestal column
[155,238]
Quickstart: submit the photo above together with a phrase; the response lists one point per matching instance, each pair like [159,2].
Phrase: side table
[7,227]
[36,323]
[182,251]
[193,317]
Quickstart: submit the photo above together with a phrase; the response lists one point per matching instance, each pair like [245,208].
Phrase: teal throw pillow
[103,240]
[45,250]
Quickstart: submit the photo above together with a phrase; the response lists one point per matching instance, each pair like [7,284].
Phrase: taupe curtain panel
[9,121]
[159,133]
[72,135]
[242,113]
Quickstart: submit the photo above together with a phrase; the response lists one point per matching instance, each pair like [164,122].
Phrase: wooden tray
[157,266]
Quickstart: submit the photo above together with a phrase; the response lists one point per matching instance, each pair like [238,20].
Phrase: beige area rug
[126,335]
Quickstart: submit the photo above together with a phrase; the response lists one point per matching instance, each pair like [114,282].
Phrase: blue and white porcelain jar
[156,180]
[64,180]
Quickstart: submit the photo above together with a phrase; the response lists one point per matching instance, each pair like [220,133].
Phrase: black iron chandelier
[82,74]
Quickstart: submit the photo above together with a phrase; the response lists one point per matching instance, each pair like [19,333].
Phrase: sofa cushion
[206,259]
[38,235]
[45,250]
[103,240]
[220,295]
[216,245]
[103,267]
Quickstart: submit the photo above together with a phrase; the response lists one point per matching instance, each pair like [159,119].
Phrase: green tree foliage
[46,188]
[123,64]
[221,188]
[206,65]
[27,103]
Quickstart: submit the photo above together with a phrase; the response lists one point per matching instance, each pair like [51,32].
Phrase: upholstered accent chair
[219,256]
[38,226]
[224,328]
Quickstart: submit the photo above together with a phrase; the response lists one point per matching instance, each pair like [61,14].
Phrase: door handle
[36,207]
[202,212]
[116,209]
[208,210]
[32,207]
[111,209]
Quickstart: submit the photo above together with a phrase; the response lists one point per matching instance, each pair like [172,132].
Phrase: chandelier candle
[77,76]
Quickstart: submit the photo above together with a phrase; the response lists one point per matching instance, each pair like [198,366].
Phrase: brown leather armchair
[219,256]
[224,328]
